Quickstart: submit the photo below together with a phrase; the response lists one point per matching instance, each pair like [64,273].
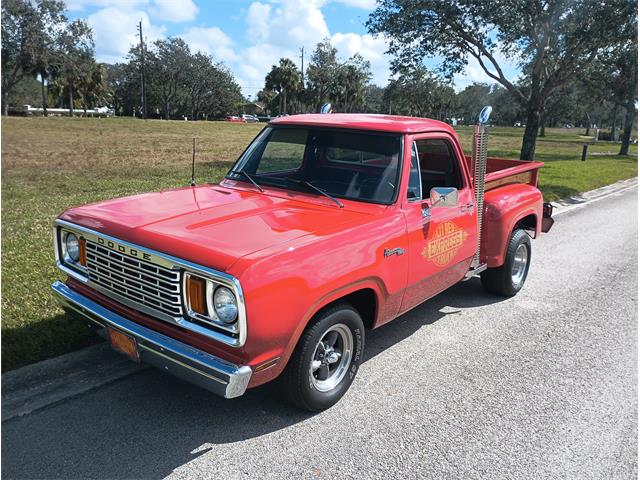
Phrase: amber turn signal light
[196,289]
[82,251]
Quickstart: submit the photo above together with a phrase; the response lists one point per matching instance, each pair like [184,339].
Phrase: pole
[300,105]
[584,151]
[193,163]
[302,64]
[142,92]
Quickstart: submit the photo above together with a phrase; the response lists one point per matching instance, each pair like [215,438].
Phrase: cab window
[438,165]
[284,152]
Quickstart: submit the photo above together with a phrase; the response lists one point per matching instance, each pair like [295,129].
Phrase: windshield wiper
[248,177]
[317,189]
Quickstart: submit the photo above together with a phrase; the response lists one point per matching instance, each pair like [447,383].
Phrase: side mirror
[444,197]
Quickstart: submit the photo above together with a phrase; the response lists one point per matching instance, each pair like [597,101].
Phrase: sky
[248,36]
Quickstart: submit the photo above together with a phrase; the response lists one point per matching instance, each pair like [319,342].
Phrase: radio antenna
[193,163]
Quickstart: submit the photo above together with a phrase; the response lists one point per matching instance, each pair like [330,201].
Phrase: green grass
[563,174]
[50,164]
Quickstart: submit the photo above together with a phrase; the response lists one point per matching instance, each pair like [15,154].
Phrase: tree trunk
[5,101]
[284,96]
[542,125]
[528,150]
[588,131]
[166,110]
[44,96]
[70,101]
[628,126]
[614,120]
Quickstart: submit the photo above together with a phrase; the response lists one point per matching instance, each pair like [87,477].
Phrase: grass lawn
[50,164]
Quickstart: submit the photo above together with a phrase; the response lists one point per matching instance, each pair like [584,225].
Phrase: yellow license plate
[124,344]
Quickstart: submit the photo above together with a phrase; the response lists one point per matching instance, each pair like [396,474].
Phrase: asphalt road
[468,385]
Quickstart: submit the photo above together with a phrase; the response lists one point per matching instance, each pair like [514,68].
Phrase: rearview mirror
[443,197]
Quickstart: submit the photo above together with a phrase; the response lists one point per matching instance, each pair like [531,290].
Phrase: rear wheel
[508,279]
[326,359]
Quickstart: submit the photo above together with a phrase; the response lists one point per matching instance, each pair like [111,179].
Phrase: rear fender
[504,207]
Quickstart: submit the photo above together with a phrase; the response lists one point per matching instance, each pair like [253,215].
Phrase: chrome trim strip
[203,369]
[169,262]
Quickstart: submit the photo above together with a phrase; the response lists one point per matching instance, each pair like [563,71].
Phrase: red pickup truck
[328,225]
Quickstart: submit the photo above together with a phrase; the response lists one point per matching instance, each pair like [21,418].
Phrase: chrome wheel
[520,261]
[331,358]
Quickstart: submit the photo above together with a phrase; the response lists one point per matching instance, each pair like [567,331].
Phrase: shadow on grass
[44,339]
[150,424]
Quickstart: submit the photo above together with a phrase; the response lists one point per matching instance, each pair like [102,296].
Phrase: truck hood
[212,225]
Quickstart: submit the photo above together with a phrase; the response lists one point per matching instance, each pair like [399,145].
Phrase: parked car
[250,118]
[235,119]
[326,227]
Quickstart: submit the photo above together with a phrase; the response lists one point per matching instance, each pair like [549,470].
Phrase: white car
[250,118]
[108,111]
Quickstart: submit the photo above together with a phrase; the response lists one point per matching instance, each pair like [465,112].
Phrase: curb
[577,201]
[45,383]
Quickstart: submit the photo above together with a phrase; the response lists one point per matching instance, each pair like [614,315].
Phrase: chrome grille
[143,283]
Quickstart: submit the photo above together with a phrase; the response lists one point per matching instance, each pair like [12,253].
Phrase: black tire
[297,384]
[501,280]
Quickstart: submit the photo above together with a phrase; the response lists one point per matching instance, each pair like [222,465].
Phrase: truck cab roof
[366,121]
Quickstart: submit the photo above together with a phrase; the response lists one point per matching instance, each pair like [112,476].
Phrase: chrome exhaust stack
[479,165]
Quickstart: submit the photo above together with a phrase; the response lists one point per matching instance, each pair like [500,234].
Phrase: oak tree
[551,40]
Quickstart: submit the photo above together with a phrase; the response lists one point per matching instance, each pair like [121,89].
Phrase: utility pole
[302,71]
[302,64]
[142,92]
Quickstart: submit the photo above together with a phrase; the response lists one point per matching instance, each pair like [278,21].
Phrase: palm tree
[284,79]
[93,85]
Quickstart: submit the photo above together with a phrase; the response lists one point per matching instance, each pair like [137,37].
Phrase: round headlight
[72,247]
[224,301]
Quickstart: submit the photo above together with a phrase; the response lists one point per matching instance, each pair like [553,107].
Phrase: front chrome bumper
[193,365]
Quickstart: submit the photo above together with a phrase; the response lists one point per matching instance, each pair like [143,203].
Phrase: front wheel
[508,279]
[326,360]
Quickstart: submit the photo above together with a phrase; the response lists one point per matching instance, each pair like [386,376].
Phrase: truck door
[442,240]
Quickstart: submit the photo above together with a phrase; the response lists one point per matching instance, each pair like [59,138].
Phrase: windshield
[344,164]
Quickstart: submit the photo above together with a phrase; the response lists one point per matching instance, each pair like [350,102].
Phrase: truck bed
[504,171]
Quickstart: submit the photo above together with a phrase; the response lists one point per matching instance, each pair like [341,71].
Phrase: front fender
[285,289]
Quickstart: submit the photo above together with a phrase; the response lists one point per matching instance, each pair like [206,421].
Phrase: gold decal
[445,243]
